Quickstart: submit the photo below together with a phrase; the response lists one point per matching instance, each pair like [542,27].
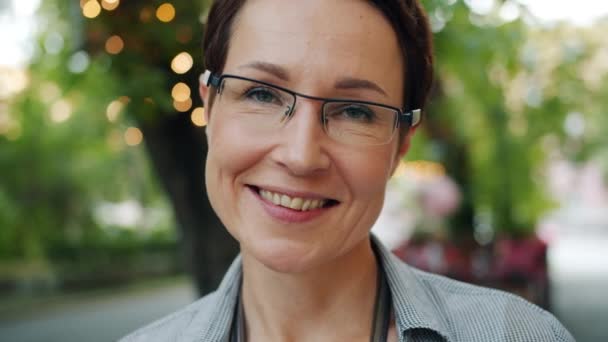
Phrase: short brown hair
[407,17]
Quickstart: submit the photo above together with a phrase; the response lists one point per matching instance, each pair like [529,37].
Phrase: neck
[334,301]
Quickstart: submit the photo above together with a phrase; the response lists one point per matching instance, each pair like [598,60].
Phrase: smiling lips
[294,203]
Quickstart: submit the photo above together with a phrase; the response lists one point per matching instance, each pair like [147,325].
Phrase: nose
[302,149]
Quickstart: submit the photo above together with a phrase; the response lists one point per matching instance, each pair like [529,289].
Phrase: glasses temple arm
[412,117]
[209,79]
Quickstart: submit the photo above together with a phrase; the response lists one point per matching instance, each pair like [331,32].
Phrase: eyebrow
[269,68]
[344,83]
[357,83]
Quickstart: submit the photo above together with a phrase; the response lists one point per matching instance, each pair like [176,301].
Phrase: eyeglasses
[264,108]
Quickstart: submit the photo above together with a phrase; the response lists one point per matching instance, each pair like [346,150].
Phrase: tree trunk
[178,150]
[455,155]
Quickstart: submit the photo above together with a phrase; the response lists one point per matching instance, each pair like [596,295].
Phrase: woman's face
[315,47]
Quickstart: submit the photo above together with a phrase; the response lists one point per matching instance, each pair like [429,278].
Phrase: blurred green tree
[146,52]
[507,89]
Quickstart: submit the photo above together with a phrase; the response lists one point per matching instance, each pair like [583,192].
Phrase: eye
[263,95]
[355,112]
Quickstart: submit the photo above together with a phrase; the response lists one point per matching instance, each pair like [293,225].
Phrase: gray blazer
[427,307]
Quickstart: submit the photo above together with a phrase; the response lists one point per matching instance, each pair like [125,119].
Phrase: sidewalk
[99,316]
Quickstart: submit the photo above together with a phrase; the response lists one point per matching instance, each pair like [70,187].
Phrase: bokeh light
[110,5]
[198,117]
[165,12]
[53,43]
[183,106]
[180,92]
[79,62]
[12,81]
[61,110]
[91,9]
[113,110]
[48,92]
[114,45]
[133,136]
[182,63]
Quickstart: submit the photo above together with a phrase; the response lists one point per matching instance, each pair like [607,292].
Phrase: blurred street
[579,273]
[95,318]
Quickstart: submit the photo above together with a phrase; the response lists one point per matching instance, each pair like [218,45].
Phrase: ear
[204,92]
[403,147]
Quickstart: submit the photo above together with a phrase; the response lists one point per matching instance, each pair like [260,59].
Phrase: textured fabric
[427,308]
[380,325]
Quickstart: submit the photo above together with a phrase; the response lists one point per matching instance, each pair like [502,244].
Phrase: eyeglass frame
[412,117]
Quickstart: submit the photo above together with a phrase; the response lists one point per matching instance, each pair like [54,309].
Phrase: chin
[285,256]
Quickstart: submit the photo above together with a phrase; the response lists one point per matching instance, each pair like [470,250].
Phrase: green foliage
[142,69]
[505,90]
[64,156]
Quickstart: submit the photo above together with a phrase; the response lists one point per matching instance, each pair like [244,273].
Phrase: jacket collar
[413,304]
[213,321]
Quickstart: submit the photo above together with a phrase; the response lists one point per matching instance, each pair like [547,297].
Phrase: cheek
[368,171]
[231,153]
[231,149]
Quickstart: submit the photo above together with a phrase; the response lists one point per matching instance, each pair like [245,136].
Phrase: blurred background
[104,220]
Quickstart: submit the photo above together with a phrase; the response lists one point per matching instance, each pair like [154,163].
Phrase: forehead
[317,41]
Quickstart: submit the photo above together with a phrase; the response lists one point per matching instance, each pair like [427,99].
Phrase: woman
[310,106]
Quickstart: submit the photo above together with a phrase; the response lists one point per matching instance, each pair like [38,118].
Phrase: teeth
[306,205]
[296,203]
[285,201]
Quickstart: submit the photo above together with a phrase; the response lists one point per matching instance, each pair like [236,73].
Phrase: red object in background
[441,257]
[515,265]
[521,264]
[525,258]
